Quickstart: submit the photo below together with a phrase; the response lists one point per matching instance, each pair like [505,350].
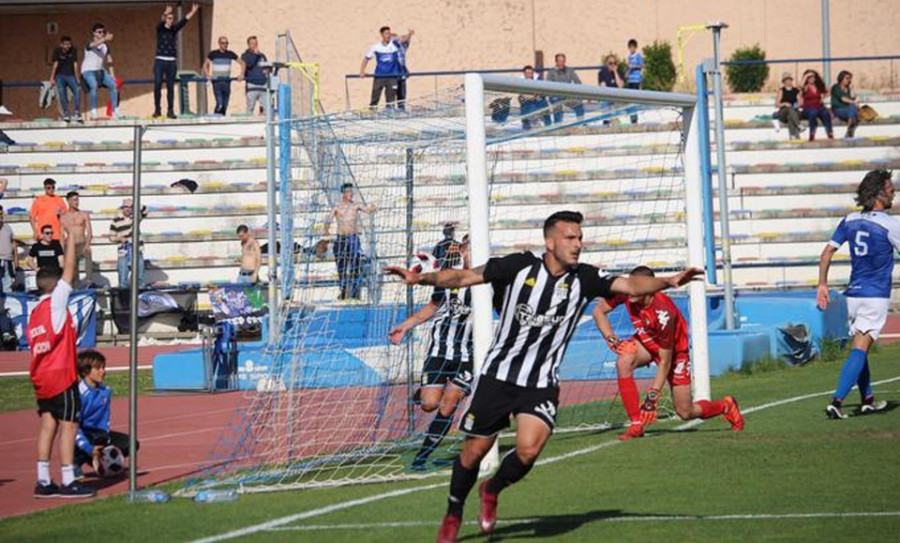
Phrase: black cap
[49,181]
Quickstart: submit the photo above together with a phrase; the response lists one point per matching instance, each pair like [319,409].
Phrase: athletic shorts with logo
[65,406]
[493,401]
[437,372]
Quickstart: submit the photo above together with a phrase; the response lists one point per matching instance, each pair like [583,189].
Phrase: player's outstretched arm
[822,297]
[443,278]
[398,332]
[640,286]
[70,260]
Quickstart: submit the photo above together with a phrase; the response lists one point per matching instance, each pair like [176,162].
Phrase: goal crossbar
[500,83]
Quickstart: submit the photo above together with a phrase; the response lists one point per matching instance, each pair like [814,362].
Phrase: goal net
[336,402]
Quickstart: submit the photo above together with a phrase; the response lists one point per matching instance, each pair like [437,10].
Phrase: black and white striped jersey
[538,315]
[451,331]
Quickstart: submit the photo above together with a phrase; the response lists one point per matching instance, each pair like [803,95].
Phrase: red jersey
[659,325]
[52,355]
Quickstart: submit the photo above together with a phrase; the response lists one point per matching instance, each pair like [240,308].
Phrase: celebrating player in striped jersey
[661,337]
[447,375]
[540,299]
[873,236]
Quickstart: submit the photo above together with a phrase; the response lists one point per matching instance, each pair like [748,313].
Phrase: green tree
[659,69]
[747,77]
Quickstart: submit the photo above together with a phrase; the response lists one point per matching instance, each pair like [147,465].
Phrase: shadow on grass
[550,526]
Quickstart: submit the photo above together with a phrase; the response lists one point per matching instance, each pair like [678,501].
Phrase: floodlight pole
[133,318]
[724,234]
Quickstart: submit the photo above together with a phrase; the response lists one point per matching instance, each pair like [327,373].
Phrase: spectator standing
[563,74]
[47,253]
[387,69]
[120,234]
[97,53]
[813,107]
[46,209]
[64,76]
[251,256]
[530,103]
[9,255]
[347,248]
[844,102]
[77,223]
[254,75]
[635,75]
[402,43]
[788,103]
[165,64]
[218,70]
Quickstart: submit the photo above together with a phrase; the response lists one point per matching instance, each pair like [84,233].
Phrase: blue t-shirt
[401,55]
[873,237]
[635,67]
[254,76]
[387,59]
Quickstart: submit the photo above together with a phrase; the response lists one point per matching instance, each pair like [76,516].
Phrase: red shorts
[680,372]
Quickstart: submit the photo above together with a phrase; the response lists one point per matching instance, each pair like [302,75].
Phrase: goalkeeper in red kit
[661,337]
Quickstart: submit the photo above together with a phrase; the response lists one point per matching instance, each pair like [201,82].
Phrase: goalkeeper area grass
[791,475]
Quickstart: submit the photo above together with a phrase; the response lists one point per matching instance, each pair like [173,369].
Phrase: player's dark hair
[642,271]
[346,186]
[818,83]
[88,360]
[562,216]
[250,38]
[842,75]
[47,278]
[71,193]
[528,67]
[382,29]
[633,42]
[50,226]
[64,39]
[557,55]
[49,181]
[870,187]
[97,26]
[242,228]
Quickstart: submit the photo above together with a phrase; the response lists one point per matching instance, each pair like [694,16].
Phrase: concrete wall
[466,34]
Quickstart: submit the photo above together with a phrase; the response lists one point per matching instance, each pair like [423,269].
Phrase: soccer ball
[112,462]
[424,263]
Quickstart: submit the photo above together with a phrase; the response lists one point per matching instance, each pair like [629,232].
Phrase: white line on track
[281,522]
[635,518]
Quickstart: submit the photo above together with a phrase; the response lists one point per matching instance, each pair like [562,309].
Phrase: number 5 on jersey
[860,247]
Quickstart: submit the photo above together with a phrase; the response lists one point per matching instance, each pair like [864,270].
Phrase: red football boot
[449,529]
[487,517]
[732,414]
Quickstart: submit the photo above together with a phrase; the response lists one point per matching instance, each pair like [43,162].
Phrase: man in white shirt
[96,53]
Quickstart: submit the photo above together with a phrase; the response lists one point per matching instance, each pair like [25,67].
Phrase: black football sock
[511,471]
[438,428]
[461,482]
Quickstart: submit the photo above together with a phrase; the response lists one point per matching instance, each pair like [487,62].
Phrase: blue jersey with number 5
[873,236]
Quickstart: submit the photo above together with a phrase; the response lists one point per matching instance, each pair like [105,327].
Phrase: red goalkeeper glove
[648,408]
[619,346]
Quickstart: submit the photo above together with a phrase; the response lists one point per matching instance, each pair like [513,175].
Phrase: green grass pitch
[791,475]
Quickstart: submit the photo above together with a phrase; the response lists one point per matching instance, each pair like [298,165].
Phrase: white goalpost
[492,158]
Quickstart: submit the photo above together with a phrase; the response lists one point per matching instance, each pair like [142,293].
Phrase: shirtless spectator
[347,248]
[251,257]
[46,210]
[77,223]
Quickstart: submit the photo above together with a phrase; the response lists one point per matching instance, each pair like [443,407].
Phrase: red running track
[177,433]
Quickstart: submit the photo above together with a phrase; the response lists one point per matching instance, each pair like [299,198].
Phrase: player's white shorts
[867,315]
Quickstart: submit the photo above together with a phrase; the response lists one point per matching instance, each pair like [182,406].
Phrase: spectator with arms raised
[387,68]
[165,65]
[96,53]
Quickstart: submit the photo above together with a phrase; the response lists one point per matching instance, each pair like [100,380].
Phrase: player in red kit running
[51,339]
[661,337]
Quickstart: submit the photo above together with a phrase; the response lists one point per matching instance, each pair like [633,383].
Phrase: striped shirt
[451,331]
[121,225]
[538,315]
